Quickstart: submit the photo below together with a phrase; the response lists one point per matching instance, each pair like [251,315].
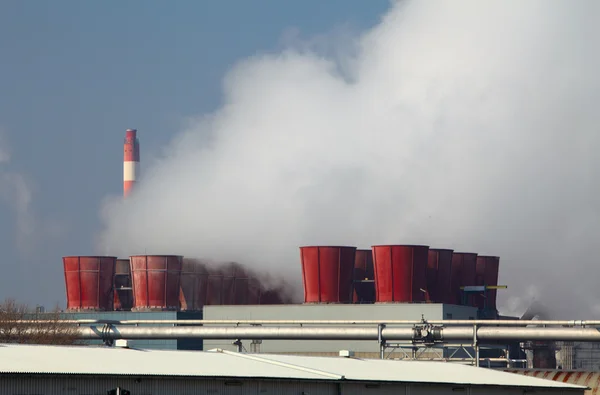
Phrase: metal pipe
[521,334]
[328,322]
[339,333]
[283,333]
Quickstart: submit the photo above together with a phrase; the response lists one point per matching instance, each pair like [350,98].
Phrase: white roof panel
[121,361]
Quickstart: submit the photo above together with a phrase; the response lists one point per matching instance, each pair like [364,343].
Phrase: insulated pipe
[332,333]
[280,333]
[517,333]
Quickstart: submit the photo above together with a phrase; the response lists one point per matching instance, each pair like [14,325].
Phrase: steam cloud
[32,232]
[15,192]
[470,125]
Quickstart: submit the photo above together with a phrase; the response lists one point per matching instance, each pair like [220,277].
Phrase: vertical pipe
[476,344]
[381,341]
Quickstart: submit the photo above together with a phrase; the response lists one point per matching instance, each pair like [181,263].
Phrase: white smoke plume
[15,192]
[470,125]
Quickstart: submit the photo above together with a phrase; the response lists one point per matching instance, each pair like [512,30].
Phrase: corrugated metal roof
[586,379]
[43,359]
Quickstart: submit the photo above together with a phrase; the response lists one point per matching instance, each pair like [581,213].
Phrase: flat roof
[93,360]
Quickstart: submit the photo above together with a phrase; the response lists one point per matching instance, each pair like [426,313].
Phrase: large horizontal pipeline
[571,323]
[484,334]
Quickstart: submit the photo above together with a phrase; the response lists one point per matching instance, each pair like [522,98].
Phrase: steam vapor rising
[469,125]
[15,193]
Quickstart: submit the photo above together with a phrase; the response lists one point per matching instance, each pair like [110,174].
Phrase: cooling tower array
[330,274]
[161,283]
[398,274]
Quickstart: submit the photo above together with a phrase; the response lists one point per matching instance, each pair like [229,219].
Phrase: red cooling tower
[327,273]
[487,274]
[400,273]
[131,160]
[363,270]
[463,274]
[194,278]
[439,271]
[156,281]
[123,294]
[89,282]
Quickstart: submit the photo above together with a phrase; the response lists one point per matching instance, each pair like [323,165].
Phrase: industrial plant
[385,283]
[393,302]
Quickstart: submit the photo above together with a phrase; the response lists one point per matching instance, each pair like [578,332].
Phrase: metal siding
[422,389]
[373,388]
[96,385]
[584,356]
[296,387]
[518,391]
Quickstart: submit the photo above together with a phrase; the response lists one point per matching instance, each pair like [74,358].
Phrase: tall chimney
[131,160]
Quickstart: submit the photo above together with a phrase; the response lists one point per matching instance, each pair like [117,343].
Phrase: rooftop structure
[98,369]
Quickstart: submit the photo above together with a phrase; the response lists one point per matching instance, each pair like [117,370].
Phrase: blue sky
[74,75]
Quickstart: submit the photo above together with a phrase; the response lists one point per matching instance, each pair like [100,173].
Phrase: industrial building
[54,370]
[339,282]
[391,282]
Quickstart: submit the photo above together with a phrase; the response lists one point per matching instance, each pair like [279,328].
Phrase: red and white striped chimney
[131,161]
